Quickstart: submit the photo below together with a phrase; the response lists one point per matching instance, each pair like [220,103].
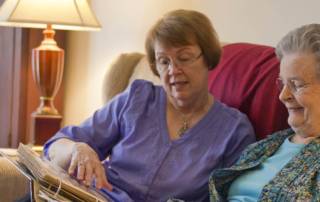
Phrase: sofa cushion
[117,76]
[246,79]
[143,71]
[13,185]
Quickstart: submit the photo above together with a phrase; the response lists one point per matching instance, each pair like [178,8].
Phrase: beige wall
[125,23]
[259,21]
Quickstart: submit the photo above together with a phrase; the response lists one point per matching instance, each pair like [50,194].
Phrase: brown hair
[184,27]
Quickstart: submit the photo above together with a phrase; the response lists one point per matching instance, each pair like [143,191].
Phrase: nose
[285,94]
[174,68]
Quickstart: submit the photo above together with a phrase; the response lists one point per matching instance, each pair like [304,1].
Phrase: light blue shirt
[145,165]
[248,186]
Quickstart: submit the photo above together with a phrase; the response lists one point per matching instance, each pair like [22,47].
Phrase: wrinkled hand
[85,161]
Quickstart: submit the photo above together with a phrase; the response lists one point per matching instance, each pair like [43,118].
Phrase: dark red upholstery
[246,79]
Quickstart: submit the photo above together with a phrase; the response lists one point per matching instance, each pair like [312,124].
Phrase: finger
[106,184]
[81,171]
[73,165]
[101,179]
[88,175]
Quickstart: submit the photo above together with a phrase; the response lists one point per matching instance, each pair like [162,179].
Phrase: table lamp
[48,58]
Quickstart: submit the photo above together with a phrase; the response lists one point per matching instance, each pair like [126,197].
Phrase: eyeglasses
[294,85]
[163,63]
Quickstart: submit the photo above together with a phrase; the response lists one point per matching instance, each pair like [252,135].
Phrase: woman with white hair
[286,165]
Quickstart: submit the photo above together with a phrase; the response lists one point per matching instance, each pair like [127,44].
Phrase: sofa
[245,79]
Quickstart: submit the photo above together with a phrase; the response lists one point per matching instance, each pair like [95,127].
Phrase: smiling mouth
[295,109]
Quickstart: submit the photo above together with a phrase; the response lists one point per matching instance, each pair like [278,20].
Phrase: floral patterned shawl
[298,180]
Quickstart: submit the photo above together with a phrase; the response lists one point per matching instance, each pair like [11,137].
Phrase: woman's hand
[85,161]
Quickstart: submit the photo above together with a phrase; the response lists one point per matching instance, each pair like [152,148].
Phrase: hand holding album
[86,166]
[56,180]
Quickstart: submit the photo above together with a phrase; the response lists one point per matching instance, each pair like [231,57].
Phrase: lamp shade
[61,14]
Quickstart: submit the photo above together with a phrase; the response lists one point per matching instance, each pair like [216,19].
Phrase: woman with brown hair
[162,141]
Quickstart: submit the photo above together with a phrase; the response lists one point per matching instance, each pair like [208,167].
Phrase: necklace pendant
[183,129]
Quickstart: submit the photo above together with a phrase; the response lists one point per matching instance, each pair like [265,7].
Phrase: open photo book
[54,180]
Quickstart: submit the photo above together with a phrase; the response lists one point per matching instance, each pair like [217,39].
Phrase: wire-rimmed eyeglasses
[163,63]
[294,85]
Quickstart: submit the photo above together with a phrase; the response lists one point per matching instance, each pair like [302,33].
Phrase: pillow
[245,79]
[117,76]
[143,71]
